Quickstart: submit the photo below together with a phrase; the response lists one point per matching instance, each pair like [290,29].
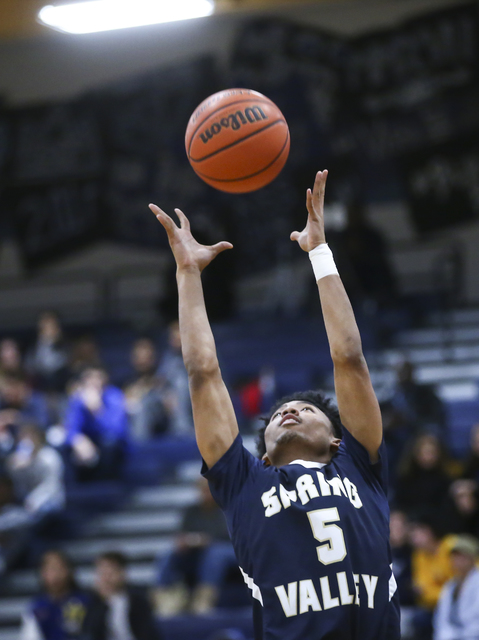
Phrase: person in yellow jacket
[431,564]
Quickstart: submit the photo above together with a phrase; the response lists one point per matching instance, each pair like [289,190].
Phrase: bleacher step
[180,496]
[429,355]
[134,522]
[10,633]
[11,609]
[438,336]
[133,548]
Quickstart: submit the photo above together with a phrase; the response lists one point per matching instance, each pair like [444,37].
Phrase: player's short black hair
[316,398]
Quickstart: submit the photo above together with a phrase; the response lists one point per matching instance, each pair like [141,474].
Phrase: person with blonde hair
[457,613]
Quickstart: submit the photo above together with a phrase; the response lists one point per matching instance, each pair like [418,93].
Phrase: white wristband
[322,262]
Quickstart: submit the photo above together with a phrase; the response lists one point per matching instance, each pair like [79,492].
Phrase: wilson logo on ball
[237,140]
[235,121]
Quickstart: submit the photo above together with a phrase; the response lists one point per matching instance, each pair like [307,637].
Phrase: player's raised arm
[213,414]
[357,402]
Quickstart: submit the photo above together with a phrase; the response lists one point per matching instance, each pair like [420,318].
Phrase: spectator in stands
[144,393]
[401,555]
[191,575]
[255,394]
[431,568]
[8,436]
[177,397]
[10,357]
[48,360]
[84,355]
[14,537]
[417,405]
[423,479]
[117,611]
[58,612]
[96,425]
[471,464]
[36,471]
[457,613]
[412,408]
[461,508]
[19,403]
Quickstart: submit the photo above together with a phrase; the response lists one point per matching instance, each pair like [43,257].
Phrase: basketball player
[309,520]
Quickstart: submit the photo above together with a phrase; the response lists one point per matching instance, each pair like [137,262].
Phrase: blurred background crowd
[107,531]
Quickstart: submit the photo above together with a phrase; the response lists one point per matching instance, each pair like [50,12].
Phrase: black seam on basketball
[225,106]
[232,144]
[252,175]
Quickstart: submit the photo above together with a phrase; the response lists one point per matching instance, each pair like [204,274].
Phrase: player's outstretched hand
[313,232]
[188,253]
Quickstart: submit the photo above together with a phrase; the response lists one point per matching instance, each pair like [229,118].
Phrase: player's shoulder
[238,463]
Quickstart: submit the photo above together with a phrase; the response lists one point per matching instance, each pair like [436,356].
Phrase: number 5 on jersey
[334,547]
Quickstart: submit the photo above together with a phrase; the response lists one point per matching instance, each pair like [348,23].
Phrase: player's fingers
[164,218]
[320,185]
[185,223]
[309,202]
[313,205]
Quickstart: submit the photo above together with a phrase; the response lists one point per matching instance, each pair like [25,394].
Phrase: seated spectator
[96,426]
[412,408]
[423,479]
[191,575]
[8,436]
[48,360]
[255,394]
[22,403]
[58,612]
[471,464]
[461,508]
[401,555]
[14,535]
[33,492]
[457,613]
[10,357]
[430,569]
[37,473]
[84,355]
[117,611]
[172,370]
[417,405]
[144,393]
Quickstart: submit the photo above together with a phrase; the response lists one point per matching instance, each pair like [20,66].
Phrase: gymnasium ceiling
[18,17]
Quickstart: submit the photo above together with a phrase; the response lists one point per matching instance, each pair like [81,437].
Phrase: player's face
[299,426]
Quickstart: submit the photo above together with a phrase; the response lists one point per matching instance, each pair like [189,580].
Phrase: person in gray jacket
[457,613]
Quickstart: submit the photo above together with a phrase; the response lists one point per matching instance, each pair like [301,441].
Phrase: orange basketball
[237,140]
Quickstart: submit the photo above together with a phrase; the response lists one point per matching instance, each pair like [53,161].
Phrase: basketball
[237,140]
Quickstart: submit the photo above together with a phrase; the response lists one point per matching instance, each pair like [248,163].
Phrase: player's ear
[266,460]
[334,445]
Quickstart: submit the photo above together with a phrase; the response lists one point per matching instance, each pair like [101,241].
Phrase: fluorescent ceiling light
[106,15]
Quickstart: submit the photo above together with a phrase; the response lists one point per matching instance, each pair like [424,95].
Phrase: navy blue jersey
[60,619]
[312,542]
